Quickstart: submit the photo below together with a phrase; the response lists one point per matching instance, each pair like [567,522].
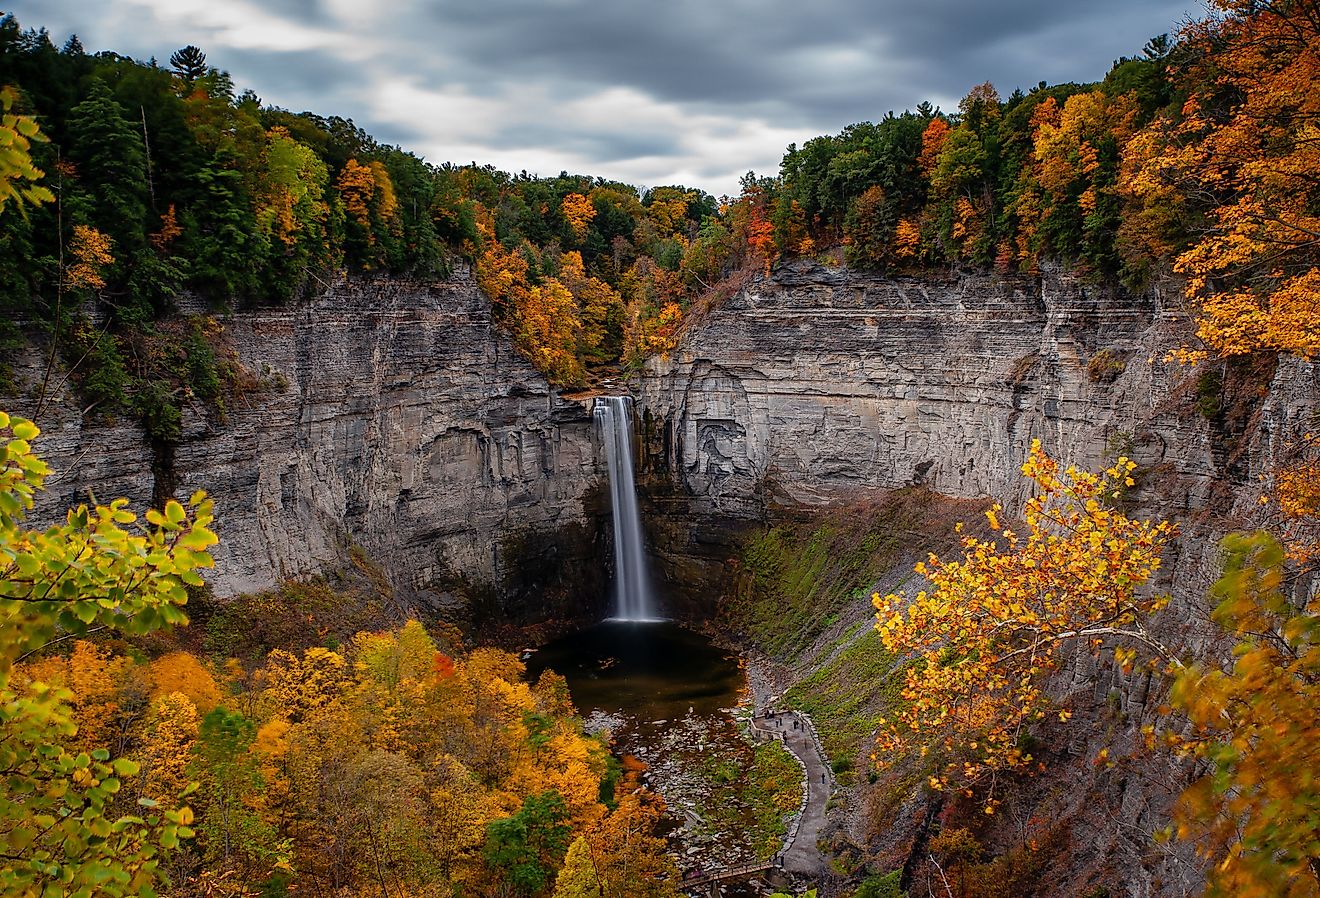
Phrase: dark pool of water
[645,671]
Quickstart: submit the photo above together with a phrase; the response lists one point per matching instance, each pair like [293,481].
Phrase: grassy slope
[803,596]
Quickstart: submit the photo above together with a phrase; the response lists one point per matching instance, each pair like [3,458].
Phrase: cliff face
[391,417]
[818,382]
[817,386]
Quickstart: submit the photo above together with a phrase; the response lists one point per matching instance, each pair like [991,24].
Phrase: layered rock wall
[816,386]
[818,382]
[391,417]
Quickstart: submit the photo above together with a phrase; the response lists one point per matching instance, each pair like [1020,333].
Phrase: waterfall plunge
[632,599]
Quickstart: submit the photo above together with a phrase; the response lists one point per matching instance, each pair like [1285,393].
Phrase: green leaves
[63,835]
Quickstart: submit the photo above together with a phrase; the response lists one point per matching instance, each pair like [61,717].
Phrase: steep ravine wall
[818,382]
[393,418]
[816,386]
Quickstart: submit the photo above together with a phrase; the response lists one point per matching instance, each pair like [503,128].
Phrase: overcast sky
[649,92]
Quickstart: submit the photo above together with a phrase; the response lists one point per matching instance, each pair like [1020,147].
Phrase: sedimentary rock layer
[391,416]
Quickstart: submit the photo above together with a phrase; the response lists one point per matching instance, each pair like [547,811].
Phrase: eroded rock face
[818,381]
[817,384]
[392,417]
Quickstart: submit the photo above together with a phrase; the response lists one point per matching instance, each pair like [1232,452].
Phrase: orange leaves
[761,237]
[168,233]
[1246,145]
[372,209]
[545,318]
[907,239]
[443,666]
[181,672]
[992,626]
[932,142]
[91,252]
[357,187]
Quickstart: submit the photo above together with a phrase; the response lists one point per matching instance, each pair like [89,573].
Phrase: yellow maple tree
[92,255]
[578,212]
[994,623]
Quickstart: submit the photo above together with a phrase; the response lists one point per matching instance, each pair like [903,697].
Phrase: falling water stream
[632,599]
[667,695]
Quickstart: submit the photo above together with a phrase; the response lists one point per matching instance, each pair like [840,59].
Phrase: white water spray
[632,601]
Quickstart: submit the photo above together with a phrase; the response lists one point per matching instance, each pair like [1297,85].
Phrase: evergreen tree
[111,185]
[189,62]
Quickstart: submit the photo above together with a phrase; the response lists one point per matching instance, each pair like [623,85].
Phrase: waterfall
[632,598]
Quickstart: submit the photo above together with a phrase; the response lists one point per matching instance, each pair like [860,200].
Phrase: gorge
[392,418]
[937,515]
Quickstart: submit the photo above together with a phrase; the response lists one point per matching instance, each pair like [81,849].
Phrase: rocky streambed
[678,703]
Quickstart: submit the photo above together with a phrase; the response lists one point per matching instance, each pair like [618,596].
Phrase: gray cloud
[632,89]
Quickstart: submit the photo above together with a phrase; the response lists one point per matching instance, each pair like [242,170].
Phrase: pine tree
[112,178]
[189,62]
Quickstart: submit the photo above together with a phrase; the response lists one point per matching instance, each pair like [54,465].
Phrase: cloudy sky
[645,91]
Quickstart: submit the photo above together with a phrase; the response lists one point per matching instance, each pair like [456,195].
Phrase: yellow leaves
[357,187]
[167,747]
[578,212]
[994,624]
[18,176]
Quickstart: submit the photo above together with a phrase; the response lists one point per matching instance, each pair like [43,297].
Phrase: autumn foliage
[1243,147]
[381,766]
[1255,813]
[996,623]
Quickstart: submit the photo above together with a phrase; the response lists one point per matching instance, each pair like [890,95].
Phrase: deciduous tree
[996,622]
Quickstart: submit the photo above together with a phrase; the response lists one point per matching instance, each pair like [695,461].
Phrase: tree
[529,845]
[578,212]
[1256,813]
[1244,147]
[578,877]
[91,254]
[111,186]
[167,748]
[995,624]
[58,816]
[189,62]
[869,229]
[233,832]
[625,856]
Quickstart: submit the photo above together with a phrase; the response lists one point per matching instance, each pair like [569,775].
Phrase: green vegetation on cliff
[802,594]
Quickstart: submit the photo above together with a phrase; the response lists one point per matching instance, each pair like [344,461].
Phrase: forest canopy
[1188,160]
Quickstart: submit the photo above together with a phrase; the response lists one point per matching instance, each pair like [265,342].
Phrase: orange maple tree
[1246,142]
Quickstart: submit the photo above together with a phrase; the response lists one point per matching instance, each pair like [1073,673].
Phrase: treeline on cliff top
[166,179]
